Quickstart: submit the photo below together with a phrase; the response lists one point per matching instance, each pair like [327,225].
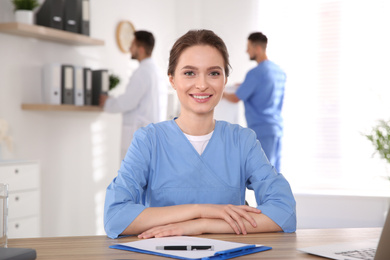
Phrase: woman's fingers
[162,231]
[247,216]
[232,214]
[232,223]
[235,214]
[249,208]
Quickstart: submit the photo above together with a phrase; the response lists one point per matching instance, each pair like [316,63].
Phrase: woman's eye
[215,73]
[189,73]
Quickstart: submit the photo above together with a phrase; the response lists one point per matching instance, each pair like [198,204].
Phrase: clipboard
[222,249]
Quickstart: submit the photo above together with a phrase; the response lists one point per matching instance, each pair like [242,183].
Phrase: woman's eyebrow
[189,67]
[195,68]
[215,68]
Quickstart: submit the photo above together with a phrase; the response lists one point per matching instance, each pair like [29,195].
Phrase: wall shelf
[49,107]
[48,34]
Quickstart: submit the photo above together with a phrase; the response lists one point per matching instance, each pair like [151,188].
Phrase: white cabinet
[24,201]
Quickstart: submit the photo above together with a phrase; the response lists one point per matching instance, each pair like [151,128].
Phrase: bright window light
[336,55]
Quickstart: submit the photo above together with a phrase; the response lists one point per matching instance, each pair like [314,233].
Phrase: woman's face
[199,79]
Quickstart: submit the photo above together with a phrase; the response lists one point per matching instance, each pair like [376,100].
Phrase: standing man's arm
[232,97]
[130,99]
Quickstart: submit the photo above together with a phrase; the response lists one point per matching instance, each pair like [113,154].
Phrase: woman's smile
[201,98]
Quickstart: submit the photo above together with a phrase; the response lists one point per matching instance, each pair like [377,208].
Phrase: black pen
[185,248]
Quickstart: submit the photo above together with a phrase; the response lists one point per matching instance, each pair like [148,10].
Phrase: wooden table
[284,244]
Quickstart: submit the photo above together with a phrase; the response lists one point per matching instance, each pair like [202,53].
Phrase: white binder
[105,82]
[79,86]
[51,87]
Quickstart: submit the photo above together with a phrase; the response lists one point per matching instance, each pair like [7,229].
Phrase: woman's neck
[196,125]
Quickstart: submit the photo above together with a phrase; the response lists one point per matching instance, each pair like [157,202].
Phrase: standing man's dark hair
[258,38]
[146,40]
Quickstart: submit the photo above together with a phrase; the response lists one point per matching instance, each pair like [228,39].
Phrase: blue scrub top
[262,92]
[162,168]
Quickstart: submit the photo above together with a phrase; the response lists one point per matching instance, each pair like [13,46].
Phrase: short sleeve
[248,87]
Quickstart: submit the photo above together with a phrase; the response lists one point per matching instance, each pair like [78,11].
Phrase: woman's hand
[232,214]
[190,228]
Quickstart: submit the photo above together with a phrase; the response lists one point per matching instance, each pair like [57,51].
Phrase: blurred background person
[262,93]
[145,97]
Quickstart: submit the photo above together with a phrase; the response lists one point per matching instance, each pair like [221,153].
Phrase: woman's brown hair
[197,37]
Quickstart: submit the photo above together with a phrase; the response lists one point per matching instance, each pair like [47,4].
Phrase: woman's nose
[201,83]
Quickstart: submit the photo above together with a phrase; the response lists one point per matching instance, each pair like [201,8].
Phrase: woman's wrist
[197,211]
[203,225]
[215,226]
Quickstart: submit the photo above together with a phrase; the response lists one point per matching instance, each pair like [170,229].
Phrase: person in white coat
[145,98]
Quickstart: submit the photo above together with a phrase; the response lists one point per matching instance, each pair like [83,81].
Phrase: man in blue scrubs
[262,92]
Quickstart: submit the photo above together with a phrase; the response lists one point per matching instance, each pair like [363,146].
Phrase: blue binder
[224,254]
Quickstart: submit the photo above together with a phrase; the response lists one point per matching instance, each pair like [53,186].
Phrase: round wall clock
[124,35]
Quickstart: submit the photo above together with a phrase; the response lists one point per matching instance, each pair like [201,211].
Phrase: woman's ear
[172,81]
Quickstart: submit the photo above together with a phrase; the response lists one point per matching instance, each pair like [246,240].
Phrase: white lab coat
[143,102]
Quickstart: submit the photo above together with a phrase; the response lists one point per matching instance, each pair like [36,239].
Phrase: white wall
[321,210]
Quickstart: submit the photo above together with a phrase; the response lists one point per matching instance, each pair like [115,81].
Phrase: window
[336,55]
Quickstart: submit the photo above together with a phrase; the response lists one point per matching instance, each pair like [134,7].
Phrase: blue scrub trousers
[272,146]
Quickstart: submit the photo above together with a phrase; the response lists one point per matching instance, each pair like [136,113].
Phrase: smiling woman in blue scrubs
[188,176]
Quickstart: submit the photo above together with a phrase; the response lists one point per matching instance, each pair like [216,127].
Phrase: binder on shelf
[67,84]
[51,14]
[79,86]
[87,80]
[100,85]
[51,87]
[72,14]
[85,17]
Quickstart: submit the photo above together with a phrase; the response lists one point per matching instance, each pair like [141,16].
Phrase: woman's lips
[201,98]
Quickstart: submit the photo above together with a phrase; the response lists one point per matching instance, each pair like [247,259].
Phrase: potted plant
[114,81]
[380,138]
[24,10]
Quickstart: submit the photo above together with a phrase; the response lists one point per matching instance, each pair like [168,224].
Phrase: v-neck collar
[188,141]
